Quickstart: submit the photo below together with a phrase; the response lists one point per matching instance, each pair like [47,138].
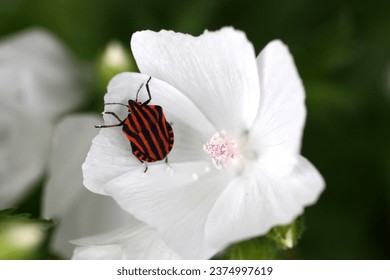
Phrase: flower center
[223,149]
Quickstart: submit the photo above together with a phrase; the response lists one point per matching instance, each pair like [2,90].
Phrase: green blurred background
[342,50]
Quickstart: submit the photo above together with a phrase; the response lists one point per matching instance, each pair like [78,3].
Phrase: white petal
[216,70]
[77,211]
[89,214]
[280,121]
[110,154]
[252,205]
[39,81]
[102,252]
[24,145]
[176,203]
[109,157]
[71,140]
[47,80]
[135,242]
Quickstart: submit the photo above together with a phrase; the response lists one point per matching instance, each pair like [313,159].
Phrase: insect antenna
[147,89]
[136,96]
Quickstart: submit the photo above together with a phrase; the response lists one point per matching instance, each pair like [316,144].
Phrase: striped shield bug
[150,135]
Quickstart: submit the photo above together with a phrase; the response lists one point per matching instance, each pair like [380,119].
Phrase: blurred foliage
[342,50]
[287,236]
[276,244]
[115,59]
[22,237]
[259,248]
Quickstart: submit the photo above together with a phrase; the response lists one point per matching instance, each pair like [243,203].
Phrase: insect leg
[144,164]
[111,125]
[115,115]
[146,167]
[116,103]
[168,166]
[139,155]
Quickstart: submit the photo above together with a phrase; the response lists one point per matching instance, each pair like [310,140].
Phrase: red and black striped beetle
[151,136]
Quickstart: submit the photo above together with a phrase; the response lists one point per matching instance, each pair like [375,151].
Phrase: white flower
[24,143]
[39,81]
[136,241]
[235,168]
[79,213]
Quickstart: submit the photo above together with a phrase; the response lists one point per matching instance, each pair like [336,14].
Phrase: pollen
[223,149]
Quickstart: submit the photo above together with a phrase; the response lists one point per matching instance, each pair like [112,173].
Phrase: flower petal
[89,214]
[110,154]
[50,82]
[250,206]
[24,145]
[78,211]
[134,242]
[71,140]
[175,203]
[102,252]
[39,81]
[280,121]
[109,157]
[216,70]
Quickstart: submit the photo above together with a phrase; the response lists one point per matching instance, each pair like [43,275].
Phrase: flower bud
[115,59]
[286,237]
